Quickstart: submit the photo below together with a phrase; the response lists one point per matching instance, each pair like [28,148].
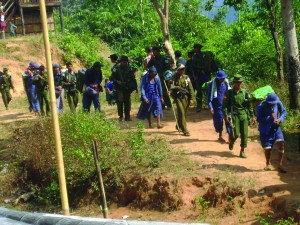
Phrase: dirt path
[202,147]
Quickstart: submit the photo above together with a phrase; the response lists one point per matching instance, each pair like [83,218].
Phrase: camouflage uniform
[69,82]
[5,86]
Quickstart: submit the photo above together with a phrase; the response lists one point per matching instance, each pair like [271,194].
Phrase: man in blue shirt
[215,94]
[92,81]
[270,114]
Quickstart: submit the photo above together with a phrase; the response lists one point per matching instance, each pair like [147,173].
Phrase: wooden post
[23,22]
[100,180]
[55,122]
[62,26]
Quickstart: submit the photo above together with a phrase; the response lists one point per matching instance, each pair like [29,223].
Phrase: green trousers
[72,98]
[240,122]
[6,96]
[182,105]
[123,104]
[43,98]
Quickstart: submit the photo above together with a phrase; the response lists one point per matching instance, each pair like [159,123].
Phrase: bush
[120,153]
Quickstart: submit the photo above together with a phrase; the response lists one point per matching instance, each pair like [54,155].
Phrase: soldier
[179,59]
[59,91]
[148,57]
[199,61]
[114,60]
[5,86]
[125,84]
[182,93]
[41,84]
[237,110]
[92,80]
[215,94]
[189,68]
[270,114]
[152,98]
[161,63]
[69,83]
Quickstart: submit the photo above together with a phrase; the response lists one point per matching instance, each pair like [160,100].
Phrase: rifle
[231,124]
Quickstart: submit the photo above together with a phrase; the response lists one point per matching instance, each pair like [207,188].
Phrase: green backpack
[261,93]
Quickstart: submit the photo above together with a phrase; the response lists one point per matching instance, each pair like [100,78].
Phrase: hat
[5,69]
[238,78]
[56,66]
[97,65]
[198,46]
[124,58]
[272,98]
[221,74]
[152,69]
[113,56]
[156,48]
[180,66]
[178,53]
[32,64]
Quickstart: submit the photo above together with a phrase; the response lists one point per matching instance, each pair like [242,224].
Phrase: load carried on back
[259,95]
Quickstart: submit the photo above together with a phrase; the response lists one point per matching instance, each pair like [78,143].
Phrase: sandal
[159,126]
[268,168]
[221,140]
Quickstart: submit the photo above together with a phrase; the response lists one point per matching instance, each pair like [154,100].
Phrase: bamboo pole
[100,180]
[59,154]
[23,22]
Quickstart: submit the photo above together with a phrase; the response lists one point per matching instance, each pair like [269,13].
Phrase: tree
[164,17]
[292,52]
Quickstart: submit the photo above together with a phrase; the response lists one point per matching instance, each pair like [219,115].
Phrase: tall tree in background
[292,52]
[272,8]
[163,13]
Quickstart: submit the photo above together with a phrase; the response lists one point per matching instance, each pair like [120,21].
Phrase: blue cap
[272,98]
[152,69]
[32,64]
[221,74]
[56,66]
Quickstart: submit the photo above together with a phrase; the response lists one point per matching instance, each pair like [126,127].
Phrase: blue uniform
[270,132]
[34,102]
[215,95]
[59,93]
[153,93]
[91,78]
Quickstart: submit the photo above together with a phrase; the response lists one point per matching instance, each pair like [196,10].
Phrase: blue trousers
[88,99]
[218,119]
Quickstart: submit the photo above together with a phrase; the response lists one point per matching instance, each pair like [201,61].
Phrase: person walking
[237,111]
[125,83]
[5,86]
[41,88]
[92,82]
[182,92]
[215,94]
[270,114]
[69,83]
[151,97]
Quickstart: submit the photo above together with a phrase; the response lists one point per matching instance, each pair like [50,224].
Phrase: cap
[152,69]
[272,98]
[32,64]
[113,56]
[56,66]
[5,69]
[97,65]
[221,74]
[238,78]
[124,58]
[180,66]
[198,46]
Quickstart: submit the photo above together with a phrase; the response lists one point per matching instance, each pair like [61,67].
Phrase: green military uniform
[41,89]
[182,99]
[5,86]
[238,106]
[161,64]
[69,84]
[124,75]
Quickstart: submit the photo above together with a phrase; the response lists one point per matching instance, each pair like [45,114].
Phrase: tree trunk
[292,52]
[273,29]
[164,18]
